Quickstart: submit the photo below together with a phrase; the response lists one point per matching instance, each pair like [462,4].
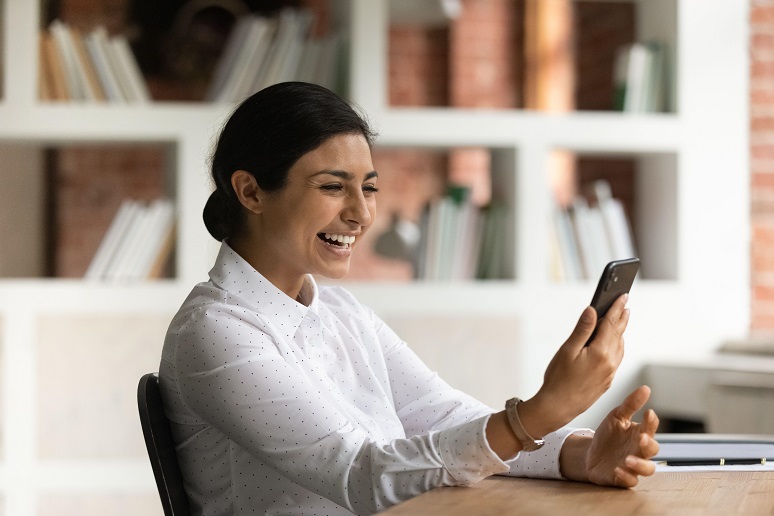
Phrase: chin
[335,275]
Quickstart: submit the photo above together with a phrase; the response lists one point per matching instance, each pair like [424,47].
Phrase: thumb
[583,329]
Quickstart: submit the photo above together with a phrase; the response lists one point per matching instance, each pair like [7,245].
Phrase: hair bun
[217,216]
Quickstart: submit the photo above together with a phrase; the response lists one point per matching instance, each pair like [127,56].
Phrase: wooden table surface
[672,492]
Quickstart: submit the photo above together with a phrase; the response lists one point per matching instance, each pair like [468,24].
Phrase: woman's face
[313,224]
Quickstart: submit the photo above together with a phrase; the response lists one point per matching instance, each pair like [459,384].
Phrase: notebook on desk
[714,450]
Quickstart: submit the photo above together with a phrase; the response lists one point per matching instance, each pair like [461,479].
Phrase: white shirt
[282,408]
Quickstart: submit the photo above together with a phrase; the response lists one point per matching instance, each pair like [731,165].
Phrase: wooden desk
[683,493]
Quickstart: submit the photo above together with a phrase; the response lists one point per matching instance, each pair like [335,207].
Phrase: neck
[248,250]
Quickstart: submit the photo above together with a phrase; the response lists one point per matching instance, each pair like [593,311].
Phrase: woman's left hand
[621,449]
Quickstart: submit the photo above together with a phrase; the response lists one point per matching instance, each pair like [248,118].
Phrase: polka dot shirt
[313,407]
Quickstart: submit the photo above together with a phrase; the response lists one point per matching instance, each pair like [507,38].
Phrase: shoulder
[208,307]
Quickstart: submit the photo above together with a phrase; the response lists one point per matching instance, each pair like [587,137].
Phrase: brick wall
[418,66]
[762,164]
[485,55]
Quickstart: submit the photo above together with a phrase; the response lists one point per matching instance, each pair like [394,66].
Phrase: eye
[370,189]
[333,187]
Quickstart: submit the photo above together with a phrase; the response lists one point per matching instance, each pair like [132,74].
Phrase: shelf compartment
[418,186]
[174,52]
[62,198]
[643,204]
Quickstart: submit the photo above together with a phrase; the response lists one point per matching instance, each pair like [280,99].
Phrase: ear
[248,192]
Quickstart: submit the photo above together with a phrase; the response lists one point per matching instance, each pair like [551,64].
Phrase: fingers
[648,446]
[634,402]
[650,422]
[617,318]
[635,467]
[583,330]
[608,337]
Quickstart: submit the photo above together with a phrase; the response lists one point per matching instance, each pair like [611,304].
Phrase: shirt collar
[235,275]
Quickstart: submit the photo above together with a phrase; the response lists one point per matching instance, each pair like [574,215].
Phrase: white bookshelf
[693,174]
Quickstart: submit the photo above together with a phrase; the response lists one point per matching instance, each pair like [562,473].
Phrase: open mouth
[343,241]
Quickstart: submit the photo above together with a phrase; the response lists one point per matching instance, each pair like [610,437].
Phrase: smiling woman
[289,398]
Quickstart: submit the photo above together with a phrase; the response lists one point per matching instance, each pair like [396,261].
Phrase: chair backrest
[161,447]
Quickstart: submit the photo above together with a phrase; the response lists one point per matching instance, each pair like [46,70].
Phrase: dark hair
[266,134]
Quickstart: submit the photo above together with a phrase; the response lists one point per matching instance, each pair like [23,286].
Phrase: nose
[358,209]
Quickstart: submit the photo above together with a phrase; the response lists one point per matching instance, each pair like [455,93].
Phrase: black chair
[161,448]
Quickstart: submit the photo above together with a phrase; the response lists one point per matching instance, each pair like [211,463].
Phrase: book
[94,66]
[640,78]
[656,95]
[591,232]
[246,52]
[287,69]
[137,244]
[161,221]
[111,242]
[620,70]
[261,51]
[467,241]
[97,43]
[492,261]
[615,222]
[271,69]
[327,69]
[133,246]
[566,246]
[52,71]
[44,81]
[66,52]
[86,68]
[255,58]
[165,252]
[128,71]
[432,240]
[225,65]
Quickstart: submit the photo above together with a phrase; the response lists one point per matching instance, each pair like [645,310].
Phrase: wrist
[572,457]
[538,418]
[528,441]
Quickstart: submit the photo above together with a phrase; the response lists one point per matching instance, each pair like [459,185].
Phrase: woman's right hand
[578,374]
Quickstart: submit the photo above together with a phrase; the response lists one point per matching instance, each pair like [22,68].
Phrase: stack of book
[461,241]
[92,67]
[138,243]
[588,235]
[262,51]
[641,78]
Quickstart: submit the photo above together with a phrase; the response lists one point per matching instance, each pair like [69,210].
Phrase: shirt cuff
[466,453]
[544,463]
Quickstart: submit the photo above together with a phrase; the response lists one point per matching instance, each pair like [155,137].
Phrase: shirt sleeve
[426,403]
[543,463]
[235,376]
[423,400]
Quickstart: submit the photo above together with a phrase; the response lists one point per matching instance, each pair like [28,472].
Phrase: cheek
[372,209]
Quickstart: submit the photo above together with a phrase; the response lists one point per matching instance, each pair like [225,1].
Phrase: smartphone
[616,279]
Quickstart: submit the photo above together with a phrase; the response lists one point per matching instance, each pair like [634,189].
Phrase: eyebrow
[348,176]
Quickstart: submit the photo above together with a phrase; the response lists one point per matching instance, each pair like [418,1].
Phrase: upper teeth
[344,239]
